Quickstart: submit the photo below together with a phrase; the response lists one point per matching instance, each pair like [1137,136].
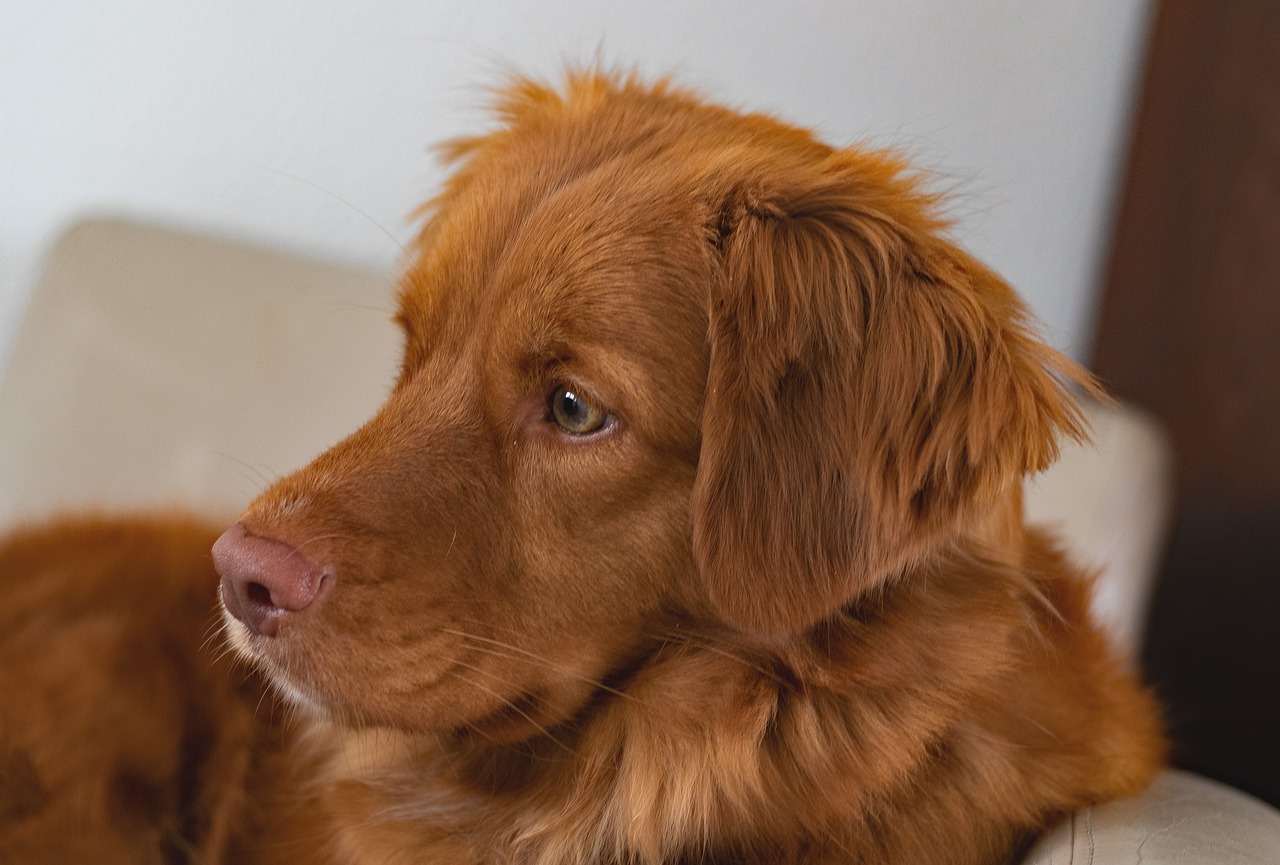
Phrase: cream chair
[157,368]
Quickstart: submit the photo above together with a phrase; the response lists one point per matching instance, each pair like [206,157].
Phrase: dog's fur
[781,608]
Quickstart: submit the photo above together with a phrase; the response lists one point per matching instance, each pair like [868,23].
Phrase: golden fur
[782,607]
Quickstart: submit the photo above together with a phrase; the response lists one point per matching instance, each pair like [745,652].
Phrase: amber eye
[574,413]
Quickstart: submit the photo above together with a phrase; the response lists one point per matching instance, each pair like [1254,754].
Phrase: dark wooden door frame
[1190,328]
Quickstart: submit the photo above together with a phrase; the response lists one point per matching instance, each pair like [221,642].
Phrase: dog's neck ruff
[688,758]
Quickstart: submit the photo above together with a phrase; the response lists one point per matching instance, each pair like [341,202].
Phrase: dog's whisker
[211,632]
[515,653]
[315,539]
[258,706]
[375,223]
[505,700]
[586,680]
[514,632]
[223,653]
[338,305]
[262,480]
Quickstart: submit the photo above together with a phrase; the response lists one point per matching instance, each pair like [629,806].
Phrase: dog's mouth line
[524,711]
[270,656]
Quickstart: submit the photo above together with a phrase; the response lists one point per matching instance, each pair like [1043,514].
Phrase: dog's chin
[237,635]
[297,698]
[242,642]
[498,719]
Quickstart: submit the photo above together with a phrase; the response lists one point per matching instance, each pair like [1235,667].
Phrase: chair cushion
[156,367]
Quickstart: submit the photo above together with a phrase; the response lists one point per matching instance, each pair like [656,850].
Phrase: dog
[690,532]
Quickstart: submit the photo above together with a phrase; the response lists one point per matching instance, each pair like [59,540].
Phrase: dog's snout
[263,578]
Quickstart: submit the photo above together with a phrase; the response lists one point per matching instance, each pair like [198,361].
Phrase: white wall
[305,122]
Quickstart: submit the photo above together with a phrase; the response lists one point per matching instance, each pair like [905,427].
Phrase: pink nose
[263,578]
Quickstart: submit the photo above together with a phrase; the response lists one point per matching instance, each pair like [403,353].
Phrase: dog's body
[691,532]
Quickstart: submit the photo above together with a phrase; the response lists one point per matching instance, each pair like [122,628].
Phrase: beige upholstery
[158,367]
[1110,502]
[1182,820]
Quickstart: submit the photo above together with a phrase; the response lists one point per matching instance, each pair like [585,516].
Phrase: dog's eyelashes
[575,413]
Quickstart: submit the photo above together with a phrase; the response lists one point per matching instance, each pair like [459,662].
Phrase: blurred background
[1116,160]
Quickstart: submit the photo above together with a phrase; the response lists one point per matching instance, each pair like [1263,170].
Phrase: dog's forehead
[606,253]
[586,217]
[610,256]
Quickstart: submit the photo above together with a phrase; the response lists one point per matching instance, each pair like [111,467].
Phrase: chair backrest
[156,367]
[1110,501]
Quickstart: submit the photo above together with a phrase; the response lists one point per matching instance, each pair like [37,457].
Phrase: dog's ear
[869,386]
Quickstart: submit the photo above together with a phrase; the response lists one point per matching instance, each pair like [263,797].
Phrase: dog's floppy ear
[869,385]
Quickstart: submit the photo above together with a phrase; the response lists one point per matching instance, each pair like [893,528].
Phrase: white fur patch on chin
[296,696]
[240,640]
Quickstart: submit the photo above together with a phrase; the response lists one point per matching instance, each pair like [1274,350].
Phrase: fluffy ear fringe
[870,384]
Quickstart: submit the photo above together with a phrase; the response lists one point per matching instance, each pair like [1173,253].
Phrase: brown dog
[691,532]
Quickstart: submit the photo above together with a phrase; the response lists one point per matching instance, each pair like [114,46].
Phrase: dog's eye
[574,413]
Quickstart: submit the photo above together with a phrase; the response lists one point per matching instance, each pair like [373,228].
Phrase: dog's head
[663,362]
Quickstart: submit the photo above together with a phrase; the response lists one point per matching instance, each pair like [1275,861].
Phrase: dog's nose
[263,578]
